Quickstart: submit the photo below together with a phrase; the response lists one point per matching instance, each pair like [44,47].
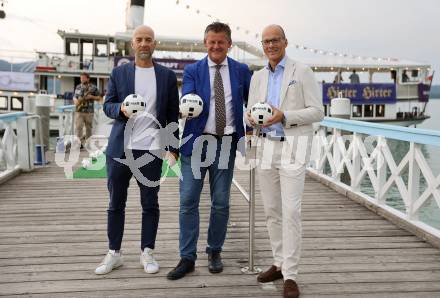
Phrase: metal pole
[251,269]
[40,134]
[252,219]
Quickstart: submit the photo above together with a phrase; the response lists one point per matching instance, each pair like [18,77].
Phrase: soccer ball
[134,103]
[191,105]
[261,112]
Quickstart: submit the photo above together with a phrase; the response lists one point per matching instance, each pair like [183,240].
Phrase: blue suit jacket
[121,84]
[196,80]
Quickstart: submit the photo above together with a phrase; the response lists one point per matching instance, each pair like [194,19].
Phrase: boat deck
[53,234]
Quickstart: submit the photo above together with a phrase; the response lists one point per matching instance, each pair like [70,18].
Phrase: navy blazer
[121,84]
[196,80]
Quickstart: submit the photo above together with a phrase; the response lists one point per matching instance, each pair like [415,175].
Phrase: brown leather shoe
[290,289]
[270,275]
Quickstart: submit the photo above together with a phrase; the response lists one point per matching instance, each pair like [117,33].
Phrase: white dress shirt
[230,124]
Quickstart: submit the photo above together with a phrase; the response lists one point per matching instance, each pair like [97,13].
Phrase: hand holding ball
[191,106]
[261,112]
[133,104]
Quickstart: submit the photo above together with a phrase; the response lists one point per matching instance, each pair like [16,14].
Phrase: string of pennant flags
[257,37]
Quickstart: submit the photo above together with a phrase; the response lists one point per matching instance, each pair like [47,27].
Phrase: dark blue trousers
[221,170]
[118,179]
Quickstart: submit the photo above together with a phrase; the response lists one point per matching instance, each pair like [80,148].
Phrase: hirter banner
[360,93]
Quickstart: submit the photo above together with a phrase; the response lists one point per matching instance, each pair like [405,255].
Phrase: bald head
[274,44]
[143,44]
[277,29]
[143,29]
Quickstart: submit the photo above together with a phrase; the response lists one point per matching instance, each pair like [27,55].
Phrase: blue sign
[360,93]
[423,91]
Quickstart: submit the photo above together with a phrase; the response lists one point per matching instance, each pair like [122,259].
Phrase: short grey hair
[218,27]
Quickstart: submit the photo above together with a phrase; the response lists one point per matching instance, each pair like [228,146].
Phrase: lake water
[430,213]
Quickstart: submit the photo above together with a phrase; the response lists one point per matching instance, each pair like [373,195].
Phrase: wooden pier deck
[53,234]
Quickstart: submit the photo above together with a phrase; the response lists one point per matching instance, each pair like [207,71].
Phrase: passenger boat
[402,101]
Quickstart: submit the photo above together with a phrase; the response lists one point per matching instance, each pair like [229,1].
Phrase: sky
[406,29]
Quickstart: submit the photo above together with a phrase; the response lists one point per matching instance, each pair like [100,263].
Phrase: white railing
[66,123]
[356,151]
[66,120]
[16,143]
[66,63]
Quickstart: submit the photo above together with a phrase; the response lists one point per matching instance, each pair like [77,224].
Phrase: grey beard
[145,56]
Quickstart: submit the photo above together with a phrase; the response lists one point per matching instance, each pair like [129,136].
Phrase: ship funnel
[134,14]
[2,12]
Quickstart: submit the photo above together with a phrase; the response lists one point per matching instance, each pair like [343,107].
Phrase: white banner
[17,81]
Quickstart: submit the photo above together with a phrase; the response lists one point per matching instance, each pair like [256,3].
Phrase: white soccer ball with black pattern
[261,112]
[191,105]
[134,103]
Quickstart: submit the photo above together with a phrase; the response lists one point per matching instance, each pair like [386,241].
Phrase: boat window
[72,47]
[357,111]
[368,110]
[101,48]
[4,103]
[380,110]
[87,49]
[16,103]
[112,48]
[410,76]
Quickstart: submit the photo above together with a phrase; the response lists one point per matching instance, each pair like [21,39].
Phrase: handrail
[343,161]
[71,108]
[9,117]
[420,136]
[66,108]
[16,143]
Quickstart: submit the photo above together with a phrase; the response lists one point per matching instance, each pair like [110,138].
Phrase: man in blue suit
[223,85]
[158,85]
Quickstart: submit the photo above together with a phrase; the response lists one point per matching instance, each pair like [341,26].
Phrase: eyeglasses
[274,41]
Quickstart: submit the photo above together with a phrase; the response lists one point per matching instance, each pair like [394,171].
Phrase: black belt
[272,138]
[219,137]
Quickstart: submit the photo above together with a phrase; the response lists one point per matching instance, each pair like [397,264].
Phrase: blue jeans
[118,178]
[218,160]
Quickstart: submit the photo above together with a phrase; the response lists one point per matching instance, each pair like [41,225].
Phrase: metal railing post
[252,219]
[251,269]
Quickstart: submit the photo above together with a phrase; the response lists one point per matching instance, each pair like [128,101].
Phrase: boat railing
[17,143]
[73,63]
[360,160]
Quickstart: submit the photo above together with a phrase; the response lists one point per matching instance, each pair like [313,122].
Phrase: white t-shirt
[145,130]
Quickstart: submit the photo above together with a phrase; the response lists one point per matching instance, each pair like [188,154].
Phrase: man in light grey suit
[291,89]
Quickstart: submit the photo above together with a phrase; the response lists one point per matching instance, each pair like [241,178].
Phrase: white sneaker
[148,262]
[111,261]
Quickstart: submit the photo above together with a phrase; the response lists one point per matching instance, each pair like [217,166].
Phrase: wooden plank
[132,269]
[53,234]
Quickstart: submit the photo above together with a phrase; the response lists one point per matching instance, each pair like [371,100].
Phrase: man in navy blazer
[223,85]
[131,143]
